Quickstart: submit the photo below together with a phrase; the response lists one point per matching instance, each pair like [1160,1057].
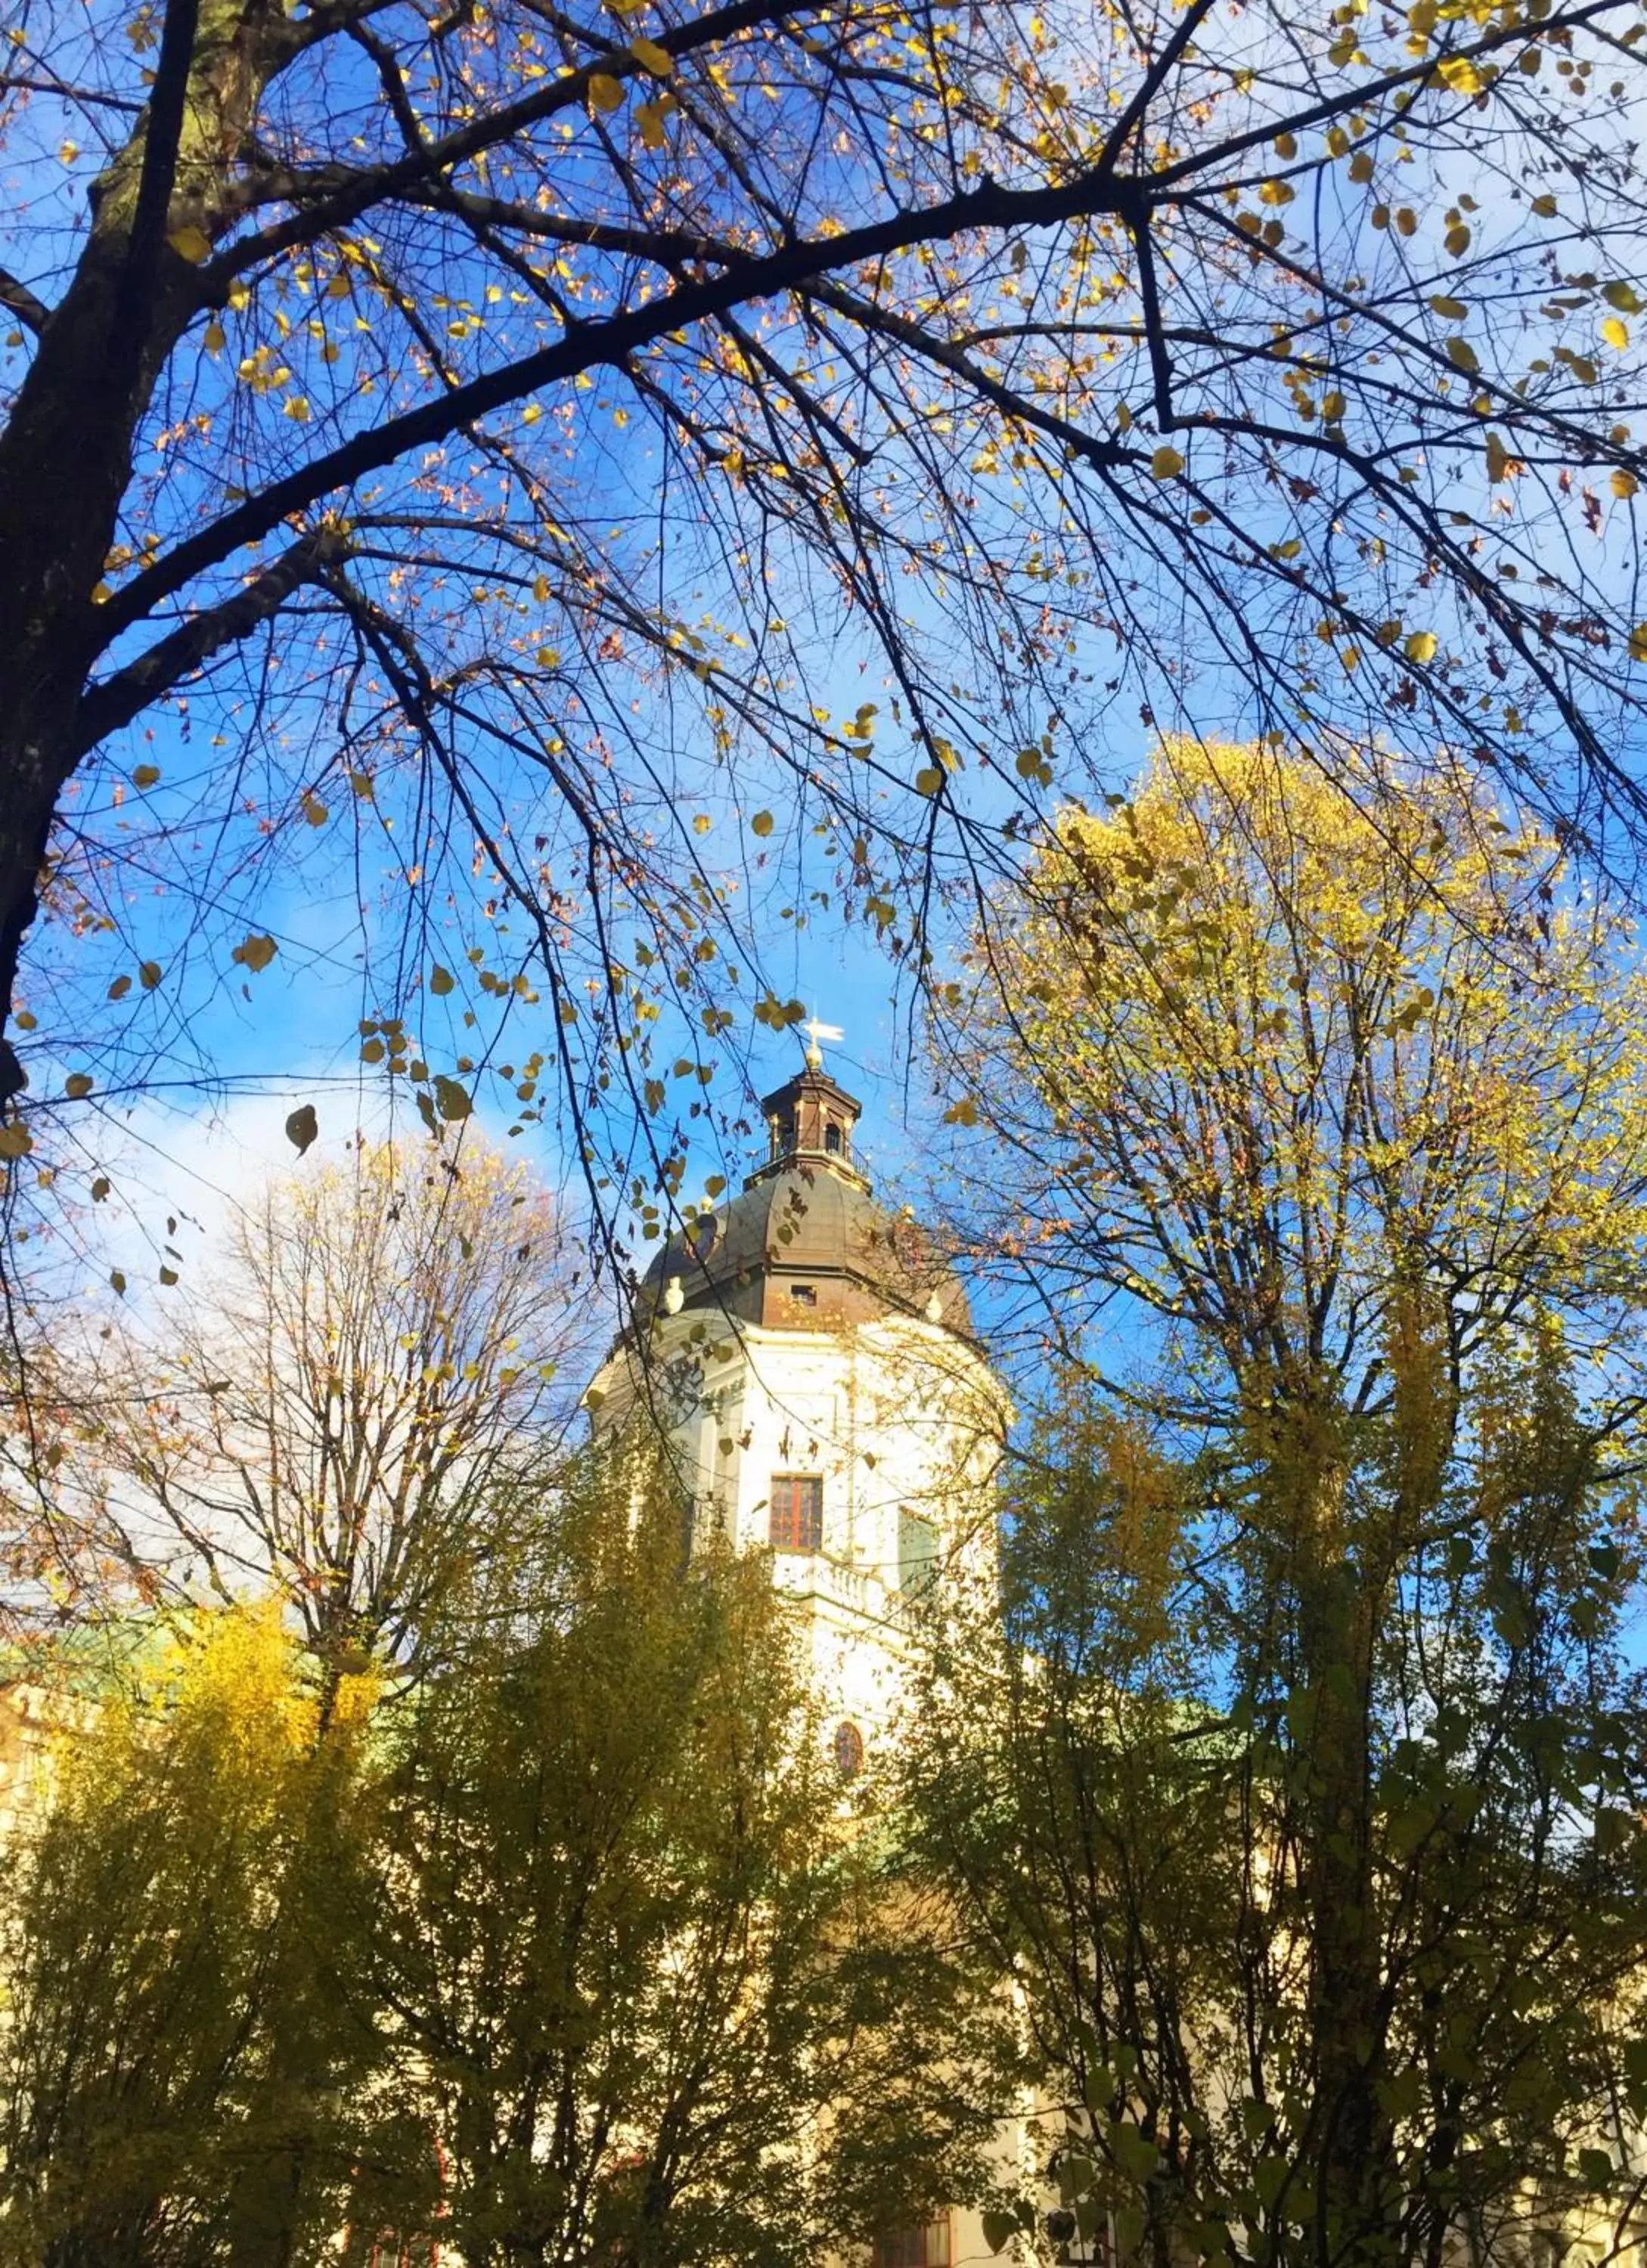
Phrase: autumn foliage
[1296,1781]
[567,1951]
[532,471]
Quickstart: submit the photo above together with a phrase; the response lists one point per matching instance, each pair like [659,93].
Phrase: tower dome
[808,1358]
[804,1246]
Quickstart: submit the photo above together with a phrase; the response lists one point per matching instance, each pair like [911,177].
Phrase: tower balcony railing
[860,1589]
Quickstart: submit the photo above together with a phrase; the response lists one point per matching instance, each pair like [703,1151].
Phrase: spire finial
[817,1033]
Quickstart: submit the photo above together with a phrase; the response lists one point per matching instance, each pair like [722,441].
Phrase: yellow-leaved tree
[174,2047]
[566,1953]
[453,460]
[1299,1786]
[1284,1039]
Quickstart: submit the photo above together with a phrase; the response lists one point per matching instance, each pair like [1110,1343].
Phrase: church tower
[811,1359]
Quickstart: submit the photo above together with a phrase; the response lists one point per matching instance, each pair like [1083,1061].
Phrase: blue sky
[222,1053]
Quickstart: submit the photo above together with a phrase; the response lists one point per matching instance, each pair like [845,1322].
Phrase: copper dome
[804,1246]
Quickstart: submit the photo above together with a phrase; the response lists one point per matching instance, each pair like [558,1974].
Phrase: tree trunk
[66,453]
[65,463]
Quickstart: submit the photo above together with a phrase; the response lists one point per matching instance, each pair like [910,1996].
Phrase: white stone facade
[807,1358]
[901,1423]
[898,1420]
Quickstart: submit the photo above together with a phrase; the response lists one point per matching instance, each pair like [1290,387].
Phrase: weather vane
[817,1033]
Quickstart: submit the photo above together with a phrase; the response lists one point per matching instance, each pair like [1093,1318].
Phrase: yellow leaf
[212,338]
[1616,331]
[67,153]
[1623,483]
[606,94]
[1421,646]
[1497,457]
[254,952]
[1623,297]
[441,980]
[145,775]
[762,823]
[78,1086]
[15,1141]
[652,57]
[191,244]
[1639,642]
[649,118]
[1165,464]
[928,780]
[1454,310]
[1462,356]
[149,974]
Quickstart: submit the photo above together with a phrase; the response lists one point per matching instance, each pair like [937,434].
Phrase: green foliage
[641,1974]
[1301,1788]
[1330,1910]
[568,1951]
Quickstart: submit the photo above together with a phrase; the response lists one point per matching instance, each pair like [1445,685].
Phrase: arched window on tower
[832,1141]
[848,1750]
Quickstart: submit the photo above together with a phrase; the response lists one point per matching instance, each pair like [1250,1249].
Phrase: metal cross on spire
[817,1033]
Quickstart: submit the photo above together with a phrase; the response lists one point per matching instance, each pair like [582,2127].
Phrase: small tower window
[797,1511]
[804,1295]
[916,1552]
[831,1141]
